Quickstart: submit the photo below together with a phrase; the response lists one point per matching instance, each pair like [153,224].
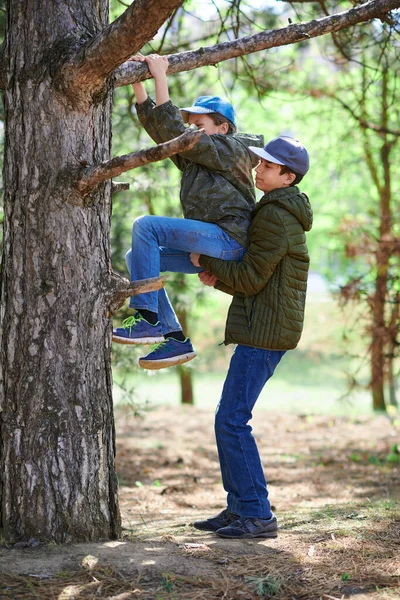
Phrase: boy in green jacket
[265,319]
[217,196]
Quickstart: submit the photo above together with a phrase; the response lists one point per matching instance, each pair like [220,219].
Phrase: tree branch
[119,186]
[362,121]
[111,168]
[122,288]
[131,72]
[86,73]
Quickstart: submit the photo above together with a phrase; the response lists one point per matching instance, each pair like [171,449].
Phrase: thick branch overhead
[131,72]
[111,168]
[122,38]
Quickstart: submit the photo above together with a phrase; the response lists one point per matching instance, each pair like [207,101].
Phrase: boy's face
[268,176]
[205,122]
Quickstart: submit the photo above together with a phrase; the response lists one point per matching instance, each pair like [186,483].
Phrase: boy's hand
[158,65]
[207,278]
[137,58]
[195,259]
[138,88]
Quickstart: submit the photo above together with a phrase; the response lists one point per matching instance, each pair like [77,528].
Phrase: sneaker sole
[154,365]
[138,341]
[249,536]
[208,528]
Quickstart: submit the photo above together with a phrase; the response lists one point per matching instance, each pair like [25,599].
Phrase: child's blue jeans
[164,244]
[242,473]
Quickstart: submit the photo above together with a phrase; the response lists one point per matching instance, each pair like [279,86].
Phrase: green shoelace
[163,346]
[130,322]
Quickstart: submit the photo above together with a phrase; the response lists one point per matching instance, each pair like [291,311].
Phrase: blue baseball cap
[287,151]
[210,104]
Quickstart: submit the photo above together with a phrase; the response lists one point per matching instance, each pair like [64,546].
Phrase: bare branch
[111,168]
[130,72]
[86,73]
[119,186]
[362,121]
[122,288]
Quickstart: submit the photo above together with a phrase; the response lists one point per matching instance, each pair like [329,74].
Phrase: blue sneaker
[224,518]
[136,330]
[167,354]
[248,528]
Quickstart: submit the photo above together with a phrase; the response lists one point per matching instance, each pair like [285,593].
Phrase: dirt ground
[334,485]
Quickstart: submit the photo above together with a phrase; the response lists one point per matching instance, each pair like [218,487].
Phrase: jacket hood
[292,200]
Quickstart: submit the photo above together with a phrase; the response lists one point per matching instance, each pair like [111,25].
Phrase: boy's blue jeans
[241,469]
[164,244]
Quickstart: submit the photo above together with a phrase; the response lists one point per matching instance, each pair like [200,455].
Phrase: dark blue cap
[284,150]
[210,104]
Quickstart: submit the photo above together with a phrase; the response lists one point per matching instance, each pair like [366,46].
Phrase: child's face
[268,176]
[205,122]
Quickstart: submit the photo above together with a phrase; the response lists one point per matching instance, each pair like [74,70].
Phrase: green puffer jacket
[217,183]
[269,285]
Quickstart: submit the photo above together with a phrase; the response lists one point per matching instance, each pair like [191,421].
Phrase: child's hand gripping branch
[158,66]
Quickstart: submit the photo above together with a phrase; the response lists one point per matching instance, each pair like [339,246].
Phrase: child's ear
[224,128]
[290,177]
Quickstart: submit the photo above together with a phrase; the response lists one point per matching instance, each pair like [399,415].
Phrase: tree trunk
[57,428]
[185,374]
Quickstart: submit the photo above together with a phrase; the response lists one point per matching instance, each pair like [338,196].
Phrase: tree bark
[57,429]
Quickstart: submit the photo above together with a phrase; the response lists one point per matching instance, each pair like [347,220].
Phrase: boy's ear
[290,177]
[224,128]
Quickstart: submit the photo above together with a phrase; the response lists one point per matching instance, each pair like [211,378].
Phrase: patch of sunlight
[90,561]
[146,562]
[113,544]
[71,591]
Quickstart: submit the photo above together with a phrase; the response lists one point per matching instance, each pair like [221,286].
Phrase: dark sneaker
[136,330]
[167,354]
[224,518]
[245,527]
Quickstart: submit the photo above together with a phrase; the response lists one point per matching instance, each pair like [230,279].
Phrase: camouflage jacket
[217,184]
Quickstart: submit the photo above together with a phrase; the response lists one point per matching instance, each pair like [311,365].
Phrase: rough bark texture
[57,453]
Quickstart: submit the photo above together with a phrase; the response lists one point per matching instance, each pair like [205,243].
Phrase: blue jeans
[164,244]
[241,469]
